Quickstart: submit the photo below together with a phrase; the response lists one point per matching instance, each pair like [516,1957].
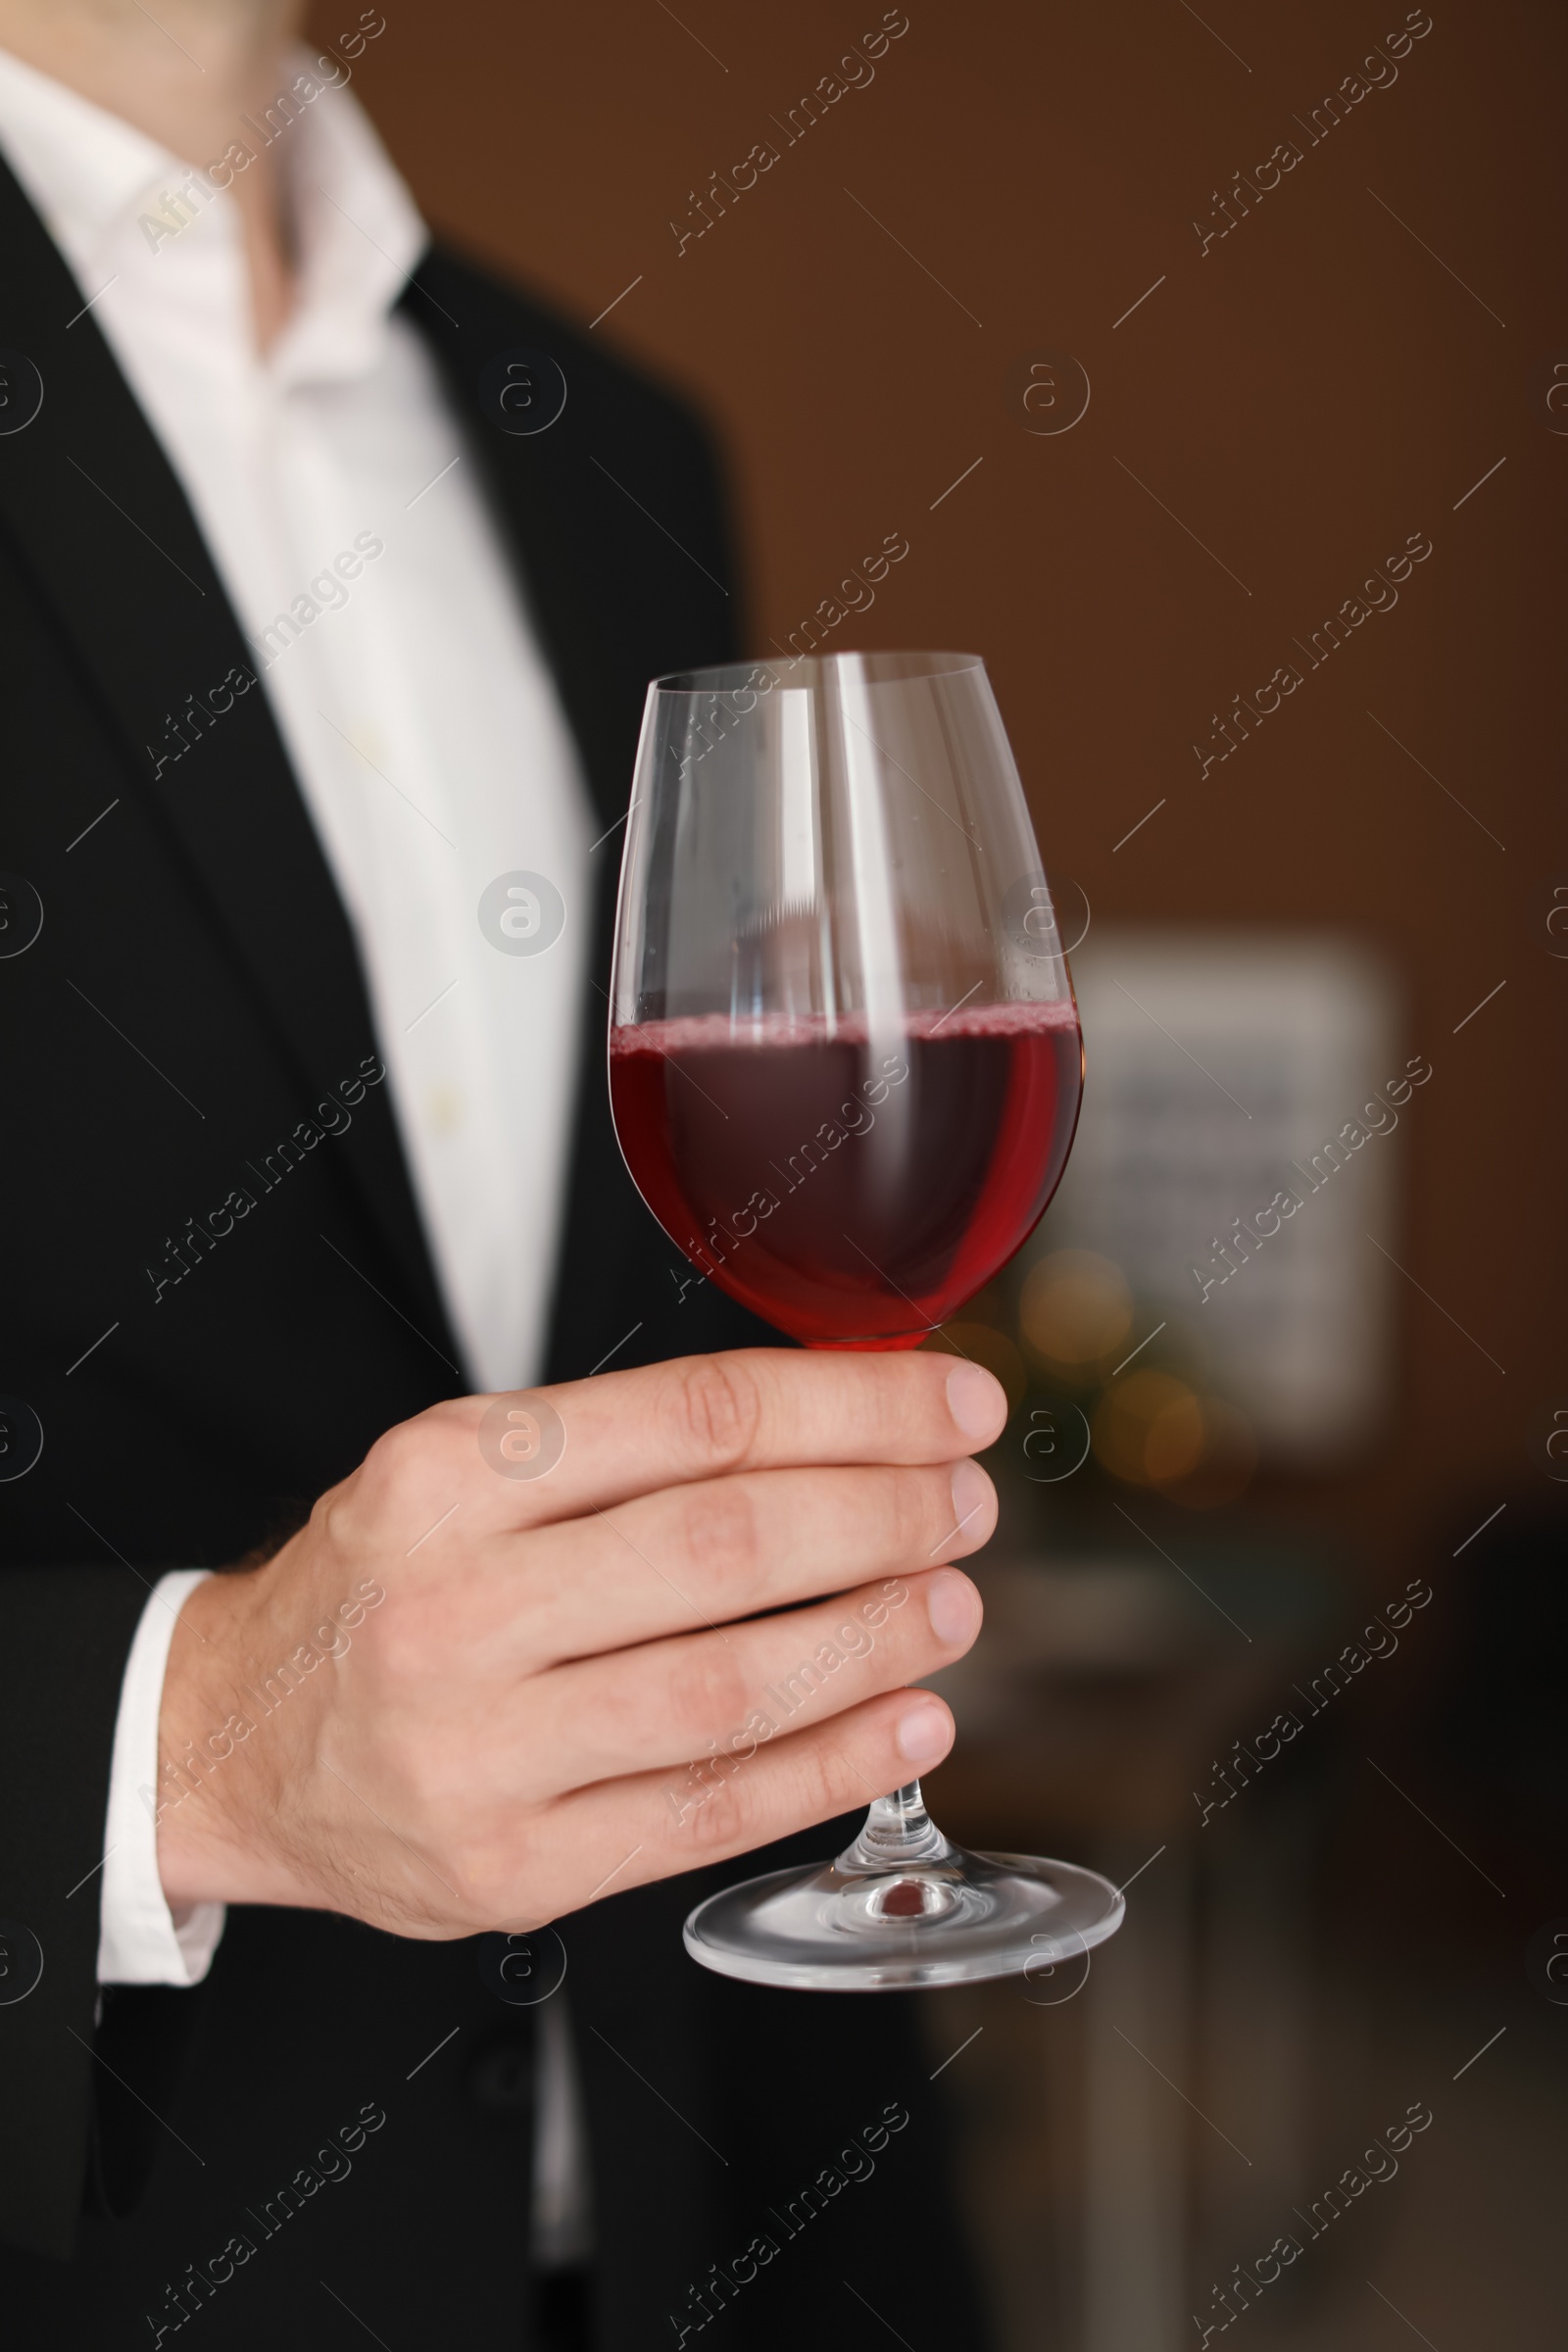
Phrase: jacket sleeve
[64,1635]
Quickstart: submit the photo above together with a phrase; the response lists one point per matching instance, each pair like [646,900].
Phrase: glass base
[901,1908]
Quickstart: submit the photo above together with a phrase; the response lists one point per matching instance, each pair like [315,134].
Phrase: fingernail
[977,1401]
[954,1605]
[925,1733]
[972,1491]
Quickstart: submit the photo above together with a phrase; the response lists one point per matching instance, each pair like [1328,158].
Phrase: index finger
[625,1434]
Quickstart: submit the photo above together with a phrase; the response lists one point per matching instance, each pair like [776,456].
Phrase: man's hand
[470,1693]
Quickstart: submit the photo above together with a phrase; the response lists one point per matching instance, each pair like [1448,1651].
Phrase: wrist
[220,1759]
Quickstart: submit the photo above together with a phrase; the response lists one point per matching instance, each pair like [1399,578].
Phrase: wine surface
[851,1189]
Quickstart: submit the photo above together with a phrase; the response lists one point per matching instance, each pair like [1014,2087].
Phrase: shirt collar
[93,177]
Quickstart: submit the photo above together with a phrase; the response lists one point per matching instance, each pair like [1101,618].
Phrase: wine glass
[845,1069]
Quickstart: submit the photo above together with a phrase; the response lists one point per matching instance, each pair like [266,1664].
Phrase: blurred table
[1101,1695]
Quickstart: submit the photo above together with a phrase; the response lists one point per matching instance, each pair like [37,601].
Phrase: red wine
[852,1191]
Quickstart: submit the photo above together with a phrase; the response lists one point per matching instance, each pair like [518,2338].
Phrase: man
[319,665]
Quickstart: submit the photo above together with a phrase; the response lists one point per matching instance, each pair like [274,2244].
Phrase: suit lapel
[99,520]
[538,483]
[615,598]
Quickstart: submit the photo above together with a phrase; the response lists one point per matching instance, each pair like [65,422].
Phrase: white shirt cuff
[139,1942]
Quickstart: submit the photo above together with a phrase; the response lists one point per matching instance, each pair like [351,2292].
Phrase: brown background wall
[1302,396]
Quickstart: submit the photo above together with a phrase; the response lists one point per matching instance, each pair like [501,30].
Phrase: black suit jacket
[193,993]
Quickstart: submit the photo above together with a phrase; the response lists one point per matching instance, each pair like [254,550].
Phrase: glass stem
[897,1832]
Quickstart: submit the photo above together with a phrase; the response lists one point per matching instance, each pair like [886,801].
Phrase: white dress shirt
[424,732]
